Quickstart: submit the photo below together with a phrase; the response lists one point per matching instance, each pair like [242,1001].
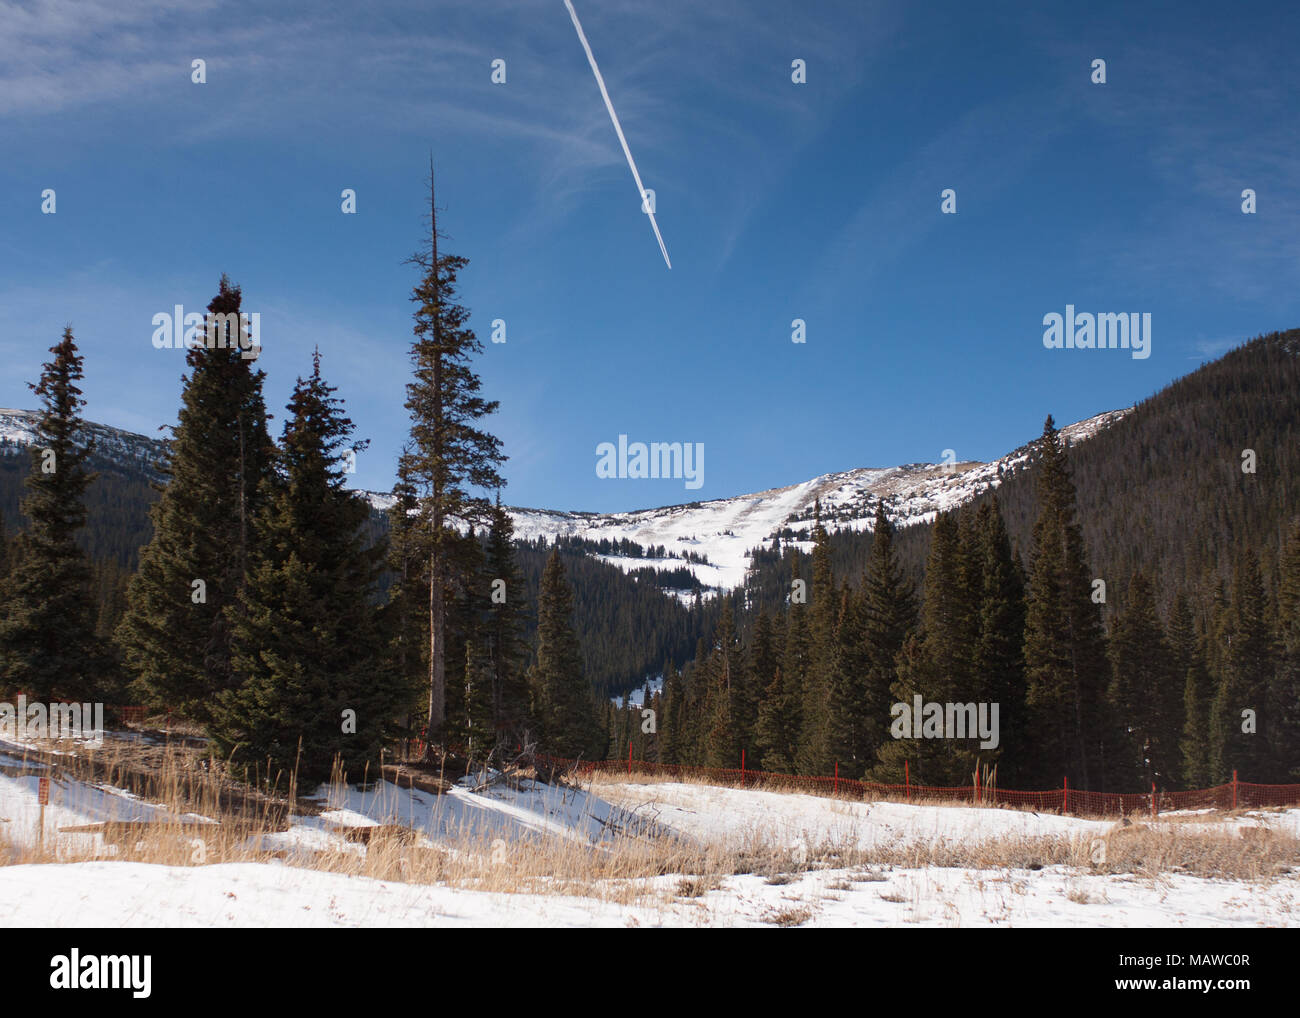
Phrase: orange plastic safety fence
[1071,800]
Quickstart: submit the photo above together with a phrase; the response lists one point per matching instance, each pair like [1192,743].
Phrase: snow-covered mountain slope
[125,448]
[724,531]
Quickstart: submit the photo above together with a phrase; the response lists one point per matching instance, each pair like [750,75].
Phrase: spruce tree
[671,721]
[176,634]
[1285,700]
[48,645]
[935,665]
[772,735]
[1188,663]
[998,666]
[1240,741]
[726,674]
[502,633]
[821,677]
[762,662]
[1065,658]
[308,639]
[450,455]
[889,617]
[407,610]
[1146,692]
[795,663]
[562,702]
[847,736]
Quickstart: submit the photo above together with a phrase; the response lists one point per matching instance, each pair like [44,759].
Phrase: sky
[778,200]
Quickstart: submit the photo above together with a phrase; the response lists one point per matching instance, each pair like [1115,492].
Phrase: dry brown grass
[790,916]
[636,864]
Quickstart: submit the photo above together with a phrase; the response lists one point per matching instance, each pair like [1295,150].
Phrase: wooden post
[835,788]
[629,756]
[43,796]
[1065,803]
[1153,800]
[1234,789]
[907,778]
[742,766]
[977,783]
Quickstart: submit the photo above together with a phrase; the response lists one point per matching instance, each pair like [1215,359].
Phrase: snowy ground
[107,892]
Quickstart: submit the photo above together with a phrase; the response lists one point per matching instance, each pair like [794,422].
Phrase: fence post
[977,784]
[1153,800]
[1065,804]
[1234,789]
[835,788]
[907,778]
[742,766]
[629,758]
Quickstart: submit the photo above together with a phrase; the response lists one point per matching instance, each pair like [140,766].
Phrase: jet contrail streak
[640,189]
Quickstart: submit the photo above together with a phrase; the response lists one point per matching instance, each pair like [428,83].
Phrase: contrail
[640,189]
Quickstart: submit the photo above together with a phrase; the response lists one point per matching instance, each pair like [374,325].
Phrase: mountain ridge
[719,534]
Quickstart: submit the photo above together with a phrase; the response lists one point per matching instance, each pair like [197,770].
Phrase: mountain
[117,503]
[636,575]
[713,541]
[1161,488]
[726,531]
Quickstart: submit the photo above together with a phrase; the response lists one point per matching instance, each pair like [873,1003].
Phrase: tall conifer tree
[562,702]
[176,634]
[1065,657]
[308,640]
[821,677]
[889,617]
[999,659]
[1239,741]
[1145,692]
[504,646]
[47,612]
[450,455]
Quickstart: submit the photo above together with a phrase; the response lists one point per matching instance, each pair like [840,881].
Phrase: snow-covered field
[100,890]
[112,894]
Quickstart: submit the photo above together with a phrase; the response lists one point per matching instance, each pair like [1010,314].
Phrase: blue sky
[777,201]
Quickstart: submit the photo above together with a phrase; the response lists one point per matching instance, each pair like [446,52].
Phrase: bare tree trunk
[437,611]
[437,660]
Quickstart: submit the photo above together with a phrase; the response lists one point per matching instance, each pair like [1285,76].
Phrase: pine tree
[821,677]
[1249,660]
[407,610]
[562,703]
[478,725]
[307,633]
[847,729]
[671,722]
[935,666]
[48,645]
[795,663]
[726,674]
[1285,701]
[176,635]
[504,645]
[467,700]
[1188,664]
[761,663]
[1065,658]
[772,735]
[449,453]
[999,660]
[890,616]
[1146,692]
